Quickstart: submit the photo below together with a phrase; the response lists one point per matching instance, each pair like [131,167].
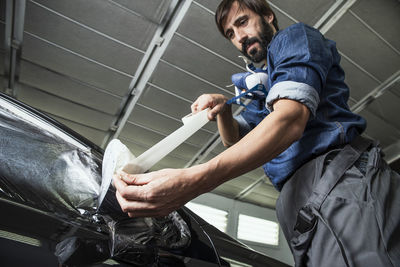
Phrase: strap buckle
[305,220]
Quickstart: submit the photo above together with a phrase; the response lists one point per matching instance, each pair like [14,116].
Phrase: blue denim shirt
[304,66]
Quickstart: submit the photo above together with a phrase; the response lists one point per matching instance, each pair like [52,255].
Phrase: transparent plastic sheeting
[42,170]
[45,171]
[136,241]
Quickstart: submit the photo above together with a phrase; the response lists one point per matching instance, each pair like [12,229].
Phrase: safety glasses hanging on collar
[251,84]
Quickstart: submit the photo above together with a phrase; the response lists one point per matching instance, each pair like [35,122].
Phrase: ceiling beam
[242,194]
[392,152]
[162,37]
[205,150]
[370,28]
[325,17]
[14,31]
[333,15]
[377,92]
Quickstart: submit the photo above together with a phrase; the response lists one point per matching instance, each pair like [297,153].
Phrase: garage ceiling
[131,69]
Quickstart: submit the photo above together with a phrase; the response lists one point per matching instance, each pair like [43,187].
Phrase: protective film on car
[46,169]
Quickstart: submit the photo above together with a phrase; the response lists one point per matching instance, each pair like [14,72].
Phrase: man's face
[249,32]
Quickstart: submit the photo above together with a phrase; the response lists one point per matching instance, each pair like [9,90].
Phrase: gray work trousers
[349,220]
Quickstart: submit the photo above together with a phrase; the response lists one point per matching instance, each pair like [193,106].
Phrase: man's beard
[265,37]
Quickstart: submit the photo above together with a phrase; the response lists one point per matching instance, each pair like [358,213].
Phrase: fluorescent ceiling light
[216,217]
[258,230]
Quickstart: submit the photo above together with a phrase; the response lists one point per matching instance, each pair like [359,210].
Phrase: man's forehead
[234,12]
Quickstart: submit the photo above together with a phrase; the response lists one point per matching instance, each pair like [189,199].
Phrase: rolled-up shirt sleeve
[300,92]
[299,61]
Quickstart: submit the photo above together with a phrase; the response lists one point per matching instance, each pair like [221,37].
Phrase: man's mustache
[249,42]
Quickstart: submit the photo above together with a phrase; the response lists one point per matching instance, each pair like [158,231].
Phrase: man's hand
[228,127]
[216,103]
[156,193]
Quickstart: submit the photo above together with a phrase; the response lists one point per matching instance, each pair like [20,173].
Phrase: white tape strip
[118,157]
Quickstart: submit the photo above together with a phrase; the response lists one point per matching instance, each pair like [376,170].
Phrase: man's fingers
[130,192]
[135,179]
[211,115]
[201,103]
[214,112]
[193,107]
[133,205]
[140,209]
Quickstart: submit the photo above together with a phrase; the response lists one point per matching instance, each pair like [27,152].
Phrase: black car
[50,180]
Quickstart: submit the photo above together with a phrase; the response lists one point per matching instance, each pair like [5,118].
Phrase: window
[258,230]
[216,217]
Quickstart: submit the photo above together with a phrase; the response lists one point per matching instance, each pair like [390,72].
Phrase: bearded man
[339,203]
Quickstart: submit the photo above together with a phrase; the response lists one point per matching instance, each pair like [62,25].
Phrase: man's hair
[261,7]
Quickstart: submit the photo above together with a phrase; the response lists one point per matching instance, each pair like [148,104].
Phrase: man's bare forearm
[270,138]
[228,127]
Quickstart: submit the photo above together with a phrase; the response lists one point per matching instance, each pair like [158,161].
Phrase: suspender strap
[335,170]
